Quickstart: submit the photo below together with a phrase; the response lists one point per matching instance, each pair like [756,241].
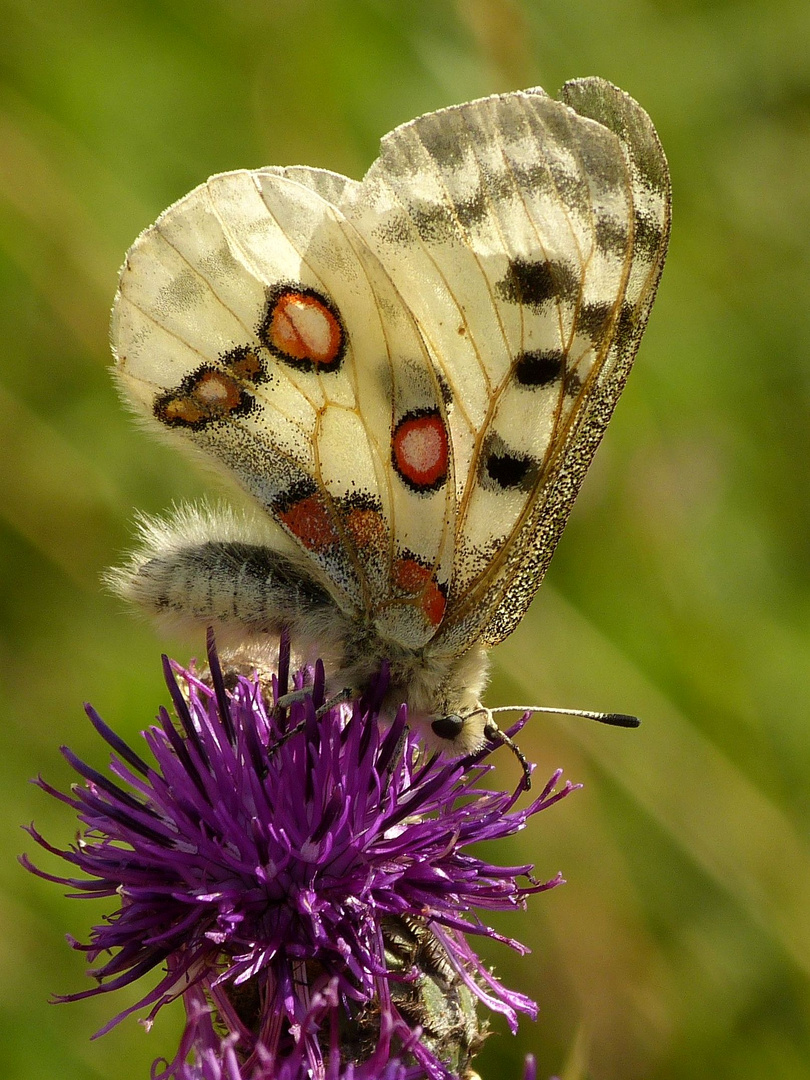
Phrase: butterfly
[408,374]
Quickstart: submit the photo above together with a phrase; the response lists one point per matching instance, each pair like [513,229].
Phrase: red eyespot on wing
[410,576]
[214,391]
[366,527]
[433,603]
[303,328]
[414,579]
[205,396]
[309,521]
[419,450]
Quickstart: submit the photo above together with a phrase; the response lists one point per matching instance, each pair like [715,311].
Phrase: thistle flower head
[301,878]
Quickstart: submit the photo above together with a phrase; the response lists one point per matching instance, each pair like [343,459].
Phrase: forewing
[252,324]
[527,236]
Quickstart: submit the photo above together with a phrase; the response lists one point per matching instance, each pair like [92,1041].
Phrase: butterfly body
[206,567]
[409,375]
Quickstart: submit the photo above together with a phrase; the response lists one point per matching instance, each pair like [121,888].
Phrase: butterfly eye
[448,727]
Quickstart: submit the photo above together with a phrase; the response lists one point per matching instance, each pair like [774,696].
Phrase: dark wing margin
[529,551]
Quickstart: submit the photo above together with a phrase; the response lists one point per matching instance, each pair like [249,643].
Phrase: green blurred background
[680,947]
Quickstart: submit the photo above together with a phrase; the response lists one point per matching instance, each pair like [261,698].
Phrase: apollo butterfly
[409,375]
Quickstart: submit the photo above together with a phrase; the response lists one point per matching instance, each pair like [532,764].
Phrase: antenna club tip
[622,720]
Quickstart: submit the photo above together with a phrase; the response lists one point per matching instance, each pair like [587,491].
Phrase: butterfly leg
[288,699]
[294,696]
[495,735]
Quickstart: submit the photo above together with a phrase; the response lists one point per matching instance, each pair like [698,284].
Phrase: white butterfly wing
[527,236]
[254,325]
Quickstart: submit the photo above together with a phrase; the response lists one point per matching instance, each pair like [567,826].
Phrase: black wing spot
[534,178]
[533,283]
[539,367]
[626,325]
[473,209]
[508,470]
[445,142]
[433,222]
[502,470]
[573,384]
[647,234]
[592,320]
[444,386]
[360,500]
[612,236]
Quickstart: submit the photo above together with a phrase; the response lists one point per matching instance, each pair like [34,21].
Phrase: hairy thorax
[431,683]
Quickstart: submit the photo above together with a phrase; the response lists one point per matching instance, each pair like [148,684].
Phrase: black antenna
[614,719]
[495,735]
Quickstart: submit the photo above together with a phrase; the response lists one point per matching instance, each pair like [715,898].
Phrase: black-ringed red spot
[213,392]
[420,451]
[206,396]
[412,577]
[303,328]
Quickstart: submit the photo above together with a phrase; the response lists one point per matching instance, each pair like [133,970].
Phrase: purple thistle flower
[217,1059]
[211,1065]
[301,876]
